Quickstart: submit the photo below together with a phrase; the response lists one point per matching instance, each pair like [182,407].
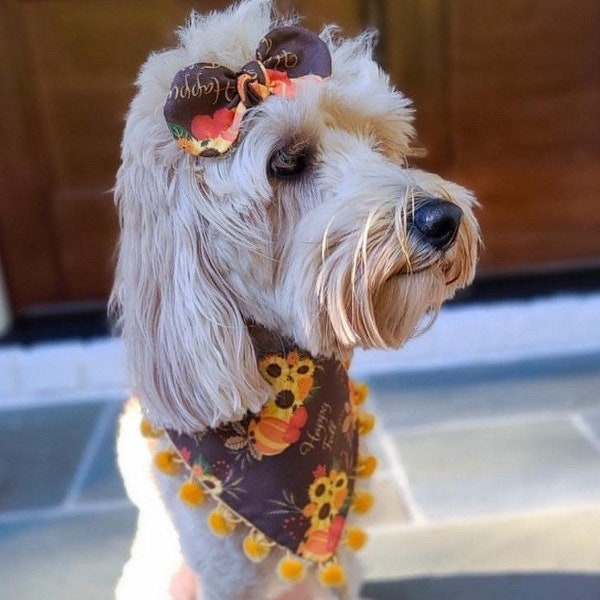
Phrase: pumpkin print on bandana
[291,467]
[327,508]
[280,422]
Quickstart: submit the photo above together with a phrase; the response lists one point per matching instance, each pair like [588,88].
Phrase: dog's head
[311,224]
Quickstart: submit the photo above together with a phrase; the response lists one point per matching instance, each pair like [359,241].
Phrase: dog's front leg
[155,553]
[184,584]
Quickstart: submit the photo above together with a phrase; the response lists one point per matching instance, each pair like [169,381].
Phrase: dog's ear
[190,355]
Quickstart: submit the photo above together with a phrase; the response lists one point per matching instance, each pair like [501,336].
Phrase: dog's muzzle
[436,222]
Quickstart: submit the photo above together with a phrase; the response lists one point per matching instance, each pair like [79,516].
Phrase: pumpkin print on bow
[206,101]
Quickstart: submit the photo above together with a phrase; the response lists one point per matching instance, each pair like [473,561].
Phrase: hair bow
[206,101]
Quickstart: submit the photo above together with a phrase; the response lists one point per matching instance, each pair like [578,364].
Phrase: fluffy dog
[296,215]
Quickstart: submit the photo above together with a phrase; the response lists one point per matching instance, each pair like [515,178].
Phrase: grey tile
[592,419]
[560,541]
[423,399]
[389,507]
[40,450]
[541,586]
[65,558]
[475,472]
[103,480]
[373,443]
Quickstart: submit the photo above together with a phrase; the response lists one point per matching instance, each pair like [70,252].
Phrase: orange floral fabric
[206,102]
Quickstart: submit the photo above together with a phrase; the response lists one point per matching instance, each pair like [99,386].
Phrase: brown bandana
[289,471]
[206,102]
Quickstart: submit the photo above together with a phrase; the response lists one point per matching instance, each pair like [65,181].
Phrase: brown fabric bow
[206,102]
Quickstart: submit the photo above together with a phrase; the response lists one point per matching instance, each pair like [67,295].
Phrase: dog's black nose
[437,222]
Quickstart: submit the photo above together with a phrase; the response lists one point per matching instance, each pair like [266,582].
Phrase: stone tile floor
[499,469]
[484,472]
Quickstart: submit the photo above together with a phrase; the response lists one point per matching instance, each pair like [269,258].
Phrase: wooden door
[69,68]
[508,103]
[67,75]
[507,97]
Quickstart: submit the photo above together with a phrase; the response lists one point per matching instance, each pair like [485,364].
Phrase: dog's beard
[382,286]
[402,306]
[407,305]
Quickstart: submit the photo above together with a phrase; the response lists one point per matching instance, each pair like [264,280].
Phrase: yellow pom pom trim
[355,538]
[148,431]
[168,462]
[291,570]
[192,494]
[256,546]
[332,575]
[363,502]
[365,422]
[366,466]
[358,392]
[221,522]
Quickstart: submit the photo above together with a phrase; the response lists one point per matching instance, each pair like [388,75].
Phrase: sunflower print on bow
[206,101]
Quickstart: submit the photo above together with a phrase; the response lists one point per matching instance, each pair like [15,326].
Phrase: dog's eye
[288,162]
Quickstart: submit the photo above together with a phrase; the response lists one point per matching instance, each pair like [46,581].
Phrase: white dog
[270,225]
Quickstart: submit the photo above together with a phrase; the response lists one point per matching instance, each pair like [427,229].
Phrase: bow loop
[295,50]
[206,101]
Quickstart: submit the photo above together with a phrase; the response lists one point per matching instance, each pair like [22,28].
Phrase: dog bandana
[288,473]
[206,101]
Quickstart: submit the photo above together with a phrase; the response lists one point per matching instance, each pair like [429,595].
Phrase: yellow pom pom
[291,569]
[332,575]
[168,462]
[358,392]
[148,431]
[355,538]
[192,494]
[365,422]
[221,521]
[363,501]
[366,466]
[256,546]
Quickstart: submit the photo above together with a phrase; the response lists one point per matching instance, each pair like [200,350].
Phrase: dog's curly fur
[328,258]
